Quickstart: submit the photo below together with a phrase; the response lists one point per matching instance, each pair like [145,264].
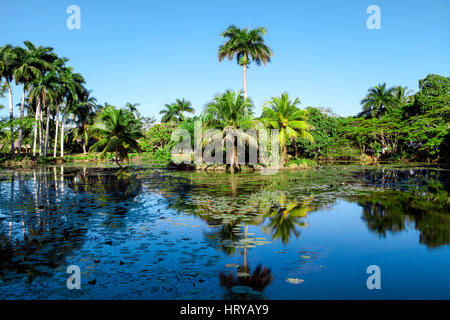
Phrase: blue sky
[152,52]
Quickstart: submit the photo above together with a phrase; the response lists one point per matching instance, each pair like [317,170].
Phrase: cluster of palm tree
[227,113]
[51,90]
[54,95]
[381,100]
[83,118]
[232,111]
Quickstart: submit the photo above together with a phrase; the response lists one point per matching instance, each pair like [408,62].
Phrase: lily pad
[243,290]
[295,280]
[242,274]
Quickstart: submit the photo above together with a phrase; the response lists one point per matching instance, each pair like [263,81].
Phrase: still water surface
[156,234]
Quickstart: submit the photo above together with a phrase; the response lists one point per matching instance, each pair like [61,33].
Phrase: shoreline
[30,162]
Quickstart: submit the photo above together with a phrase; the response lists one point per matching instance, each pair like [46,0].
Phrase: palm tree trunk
[231,159]
[84,139]
[47,130]
[35,127]
[22,111]
[234,166]
[117,161]
[11,117]
[245,88]
[63,121]
[117,158]
[56,131]
[296,148]
[40,129]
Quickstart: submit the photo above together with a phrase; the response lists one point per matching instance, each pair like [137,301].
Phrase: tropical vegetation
[59,117]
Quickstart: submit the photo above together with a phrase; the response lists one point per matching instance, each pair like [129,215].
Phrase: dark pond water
[154,234]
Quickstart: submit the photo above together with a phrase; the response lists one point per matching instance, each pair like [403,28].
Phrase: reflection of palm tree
[45,234]
[61,216]
[226,233]
[233,186]
[223,235]
[257,280]
[284,220]
[114,186]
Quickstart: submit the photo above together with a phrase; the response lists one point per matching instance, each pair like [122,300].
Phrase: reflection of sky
[166,254]
[345,249]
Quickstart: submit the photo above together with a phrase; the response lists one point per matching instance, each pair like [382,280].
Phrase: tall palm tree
[8,64]
[283,114]
[402,95]
[247,46]
[227,113]
[73,93]
[171,113]
[59,69]
[33,62]
[34,99]
[378,101]
[118,132]
[37,87]
[184,106]
[45,90]
[85,114]
[174,111]
[133,109]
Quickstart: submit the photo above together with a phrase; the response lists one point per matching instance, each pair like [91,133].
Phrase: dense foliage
[157,136]
[413,127]
[325,131]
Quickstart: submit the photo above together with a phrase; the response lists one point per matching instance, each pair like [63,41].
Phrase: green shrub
[156,137]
